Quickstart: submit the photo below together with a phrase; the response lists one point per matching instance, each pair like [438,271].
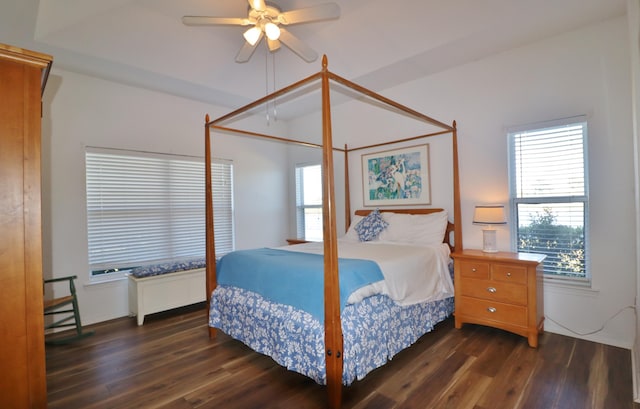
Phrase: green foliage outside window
[563,245]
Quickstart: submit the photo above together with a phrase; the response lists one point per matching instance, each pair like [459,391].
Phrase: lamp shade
[489,215]
[252,35]
[272,31]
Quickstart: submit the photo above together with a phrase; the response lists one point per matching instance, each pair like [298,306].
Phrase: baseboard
[635,373]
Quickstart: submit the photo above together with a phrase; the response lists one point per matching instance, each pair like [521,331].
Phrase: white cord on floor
[633,307]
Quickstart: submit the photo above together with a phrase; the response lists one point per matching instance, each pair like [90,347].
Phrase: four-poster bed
[332,347]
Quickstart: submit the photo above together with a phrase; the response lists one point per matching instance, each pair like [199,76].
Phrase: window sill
[111,279]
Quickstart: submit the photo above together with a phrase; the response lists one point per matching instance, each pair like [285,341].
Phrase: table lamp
[489,216]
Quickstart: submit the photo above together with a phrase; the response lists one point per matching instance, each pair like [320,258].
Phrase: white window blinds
[145,208]
[550,161]
[549,194]
[309,202]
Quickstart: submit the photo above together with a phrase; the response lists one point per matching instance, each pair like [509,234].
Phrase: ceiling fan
[266,19]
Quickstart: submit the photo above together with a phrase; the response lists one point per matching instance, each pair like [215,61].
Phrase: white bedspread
[412,274]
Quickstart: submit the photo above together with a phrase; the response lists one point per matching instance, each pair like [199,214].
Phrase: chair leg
[76,314]
[79,333]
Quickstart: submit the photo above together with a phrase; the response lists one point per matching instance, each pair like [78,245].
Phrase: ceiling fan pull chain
[266,75]
[275,112]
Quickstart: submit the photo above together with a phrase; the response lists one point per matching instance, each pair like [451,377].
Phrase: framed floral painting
[397,177]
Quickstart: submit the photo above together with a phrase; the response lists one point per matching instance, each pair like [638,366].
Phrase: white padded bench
[162,292]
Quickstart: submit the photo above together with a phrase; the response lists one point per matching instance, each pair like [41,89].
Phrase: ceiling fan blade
[294,44]
[208,21]
[273,44]
[247,50]
[315,13]
[259,5]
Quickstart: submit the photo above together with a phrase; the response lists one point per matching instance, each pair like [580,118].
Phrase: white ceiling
[376,43]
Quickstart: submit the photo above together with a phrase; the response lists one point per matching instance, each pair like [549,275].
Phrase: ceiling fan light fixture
[252,35]
[265,19]
[272,30]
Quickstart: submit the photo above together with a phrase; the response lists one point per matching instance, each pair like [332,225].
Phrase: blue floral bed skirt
[374,330]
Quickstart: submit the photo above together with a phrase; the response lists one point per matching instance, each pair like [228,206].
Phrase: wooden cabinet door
[22,359]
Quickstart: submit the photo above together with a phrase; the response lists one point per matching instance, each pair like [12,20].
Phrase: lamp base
[489,244]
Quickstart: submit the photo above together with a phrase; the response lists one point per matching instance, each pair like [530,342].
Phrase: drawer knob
[491,289]
[491,309]
[473,269]
[509,274]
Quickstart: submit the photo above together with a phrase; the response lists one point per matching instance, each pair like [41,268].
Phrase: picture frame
[397,177]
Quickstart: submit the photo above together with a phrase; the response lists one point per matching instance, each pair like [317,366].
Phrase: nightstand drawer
[494,311]
[474,269]
[509,273]
[494,291]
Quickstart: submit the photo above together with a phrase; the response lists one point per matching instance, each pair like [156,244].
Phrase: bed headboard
[448,232]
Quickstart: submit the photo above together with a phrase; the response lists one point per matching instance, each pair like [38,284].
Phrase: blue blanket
[293,278]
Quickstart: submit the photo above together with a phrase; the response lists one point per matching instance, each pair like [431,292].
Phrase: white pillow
[418,229]
[352,234]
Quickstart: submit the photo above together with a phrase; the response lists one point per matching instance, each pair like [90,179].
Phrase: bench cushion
[168,267]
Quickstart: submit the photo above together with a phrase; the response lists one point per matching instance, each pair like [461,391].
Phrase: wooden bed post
[210,251]
[347,198]
[457,211]
[332,323]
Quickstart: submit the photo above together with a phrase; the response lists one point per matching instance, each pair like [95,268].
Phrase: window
[549,195]
[145,208]
[309,202]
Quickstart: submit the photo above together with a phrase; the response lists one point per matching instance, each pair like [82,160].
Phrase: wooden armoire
[23,75]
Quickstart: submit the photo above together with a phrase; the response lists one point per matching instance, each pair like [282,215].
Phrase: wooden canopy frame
[332,324]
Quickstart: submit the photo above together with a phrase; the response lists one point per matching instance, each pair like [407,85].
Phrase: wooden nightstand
[296,241]
[502,290]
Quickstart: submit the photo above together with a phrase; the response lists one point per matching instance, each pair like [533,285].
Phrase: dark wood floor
[171,363]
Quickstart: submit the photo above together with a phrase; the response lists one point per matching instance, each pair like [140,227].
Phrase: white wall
[581,72]
[84,111]
[633,13]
